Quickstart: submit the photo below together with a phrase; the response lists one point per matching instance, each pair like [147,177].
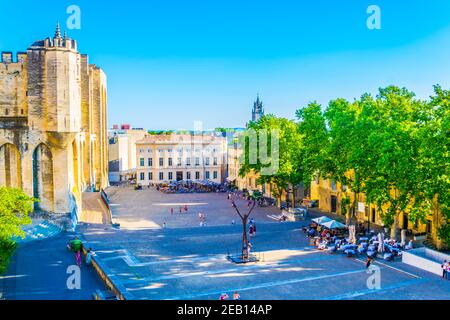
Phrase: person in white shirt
[445,270]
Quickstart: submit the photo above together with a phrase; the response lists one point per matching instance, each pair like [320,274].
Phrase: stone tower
[258,110]
[53,131]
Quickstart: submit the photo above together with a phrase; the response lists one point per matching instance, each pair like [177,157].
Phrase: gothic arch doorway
[43,187]
[10,166]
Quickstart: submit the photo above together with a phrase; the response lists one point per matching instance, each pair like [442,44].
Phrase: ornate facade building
[53,130]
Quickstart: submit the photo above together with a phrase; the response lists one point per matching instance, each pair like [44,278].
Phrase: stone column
[61,180]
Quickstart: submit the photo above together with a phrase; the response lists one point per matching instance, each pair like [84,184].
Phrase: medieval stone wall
[52,124]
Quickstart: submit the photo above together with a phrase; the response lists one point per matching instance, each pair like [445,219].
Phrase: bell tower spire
[258,109]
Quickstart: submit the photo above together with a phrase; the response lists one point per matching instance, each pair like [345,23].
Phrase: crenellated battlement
[57,43]
[7,57]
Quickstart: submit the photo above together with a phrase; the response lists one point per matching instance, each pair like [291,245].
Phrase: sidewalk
[94,210]
[38,271]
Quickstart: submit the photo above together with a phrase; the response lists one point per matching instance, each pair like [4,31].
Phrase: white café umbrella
[333,224]
[322,220]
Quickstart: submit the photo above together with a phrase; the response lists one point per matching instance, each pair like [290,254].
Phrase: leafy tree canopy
[15,207]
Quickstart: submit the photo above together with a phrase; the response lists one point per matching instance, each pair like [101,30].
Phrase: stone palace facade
[53,128]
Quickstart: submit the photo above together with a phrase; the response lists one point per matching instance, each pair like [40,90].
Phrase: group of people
[184,209]
[323,234]
[76,246]
[334,240]
[192,187]
[224,296]
[244,195]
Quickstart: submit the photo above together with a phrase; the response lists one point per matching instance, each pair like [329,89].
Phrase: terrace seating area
[332,236]
[192,186]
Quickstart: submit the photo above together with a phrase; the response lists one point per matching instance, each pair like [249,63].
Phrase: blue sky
[170,63]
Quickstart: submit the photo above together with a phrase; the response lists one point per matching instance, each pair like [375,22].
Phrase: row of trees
[15,207]
[393,147]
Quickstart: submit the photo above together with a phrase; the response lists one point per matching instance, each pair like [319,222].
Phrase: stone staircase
[39,230]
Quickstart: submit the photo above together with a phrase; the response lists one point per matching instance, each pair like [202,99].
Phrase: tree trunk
[348,216]
[352,215]
[438,221]
[244,252]
[293,197]
[394,227]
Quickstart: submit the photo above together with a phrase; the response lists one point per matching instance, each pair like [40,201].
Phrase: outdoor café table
[349,247]
[395,251]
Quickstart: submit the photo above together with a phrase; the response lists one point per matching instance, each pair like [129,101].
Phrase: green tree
[391,177]
[288,153]
[15,207]
[346,159]
[312,127]
[434,159]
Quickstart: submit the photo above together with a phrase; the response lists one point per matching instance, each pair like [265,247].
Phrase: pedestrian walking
[369,262]
[164,225]
[250,230]
[223,296]
[186,208]
[89,255]
[236,296]
[171,211]
[445,270]
[249,248]
[76,245]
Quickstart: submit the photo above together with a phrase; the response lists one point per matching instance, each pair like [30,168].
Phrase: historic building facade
[53,131]
[122,152]
[176,157]
[339,199]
